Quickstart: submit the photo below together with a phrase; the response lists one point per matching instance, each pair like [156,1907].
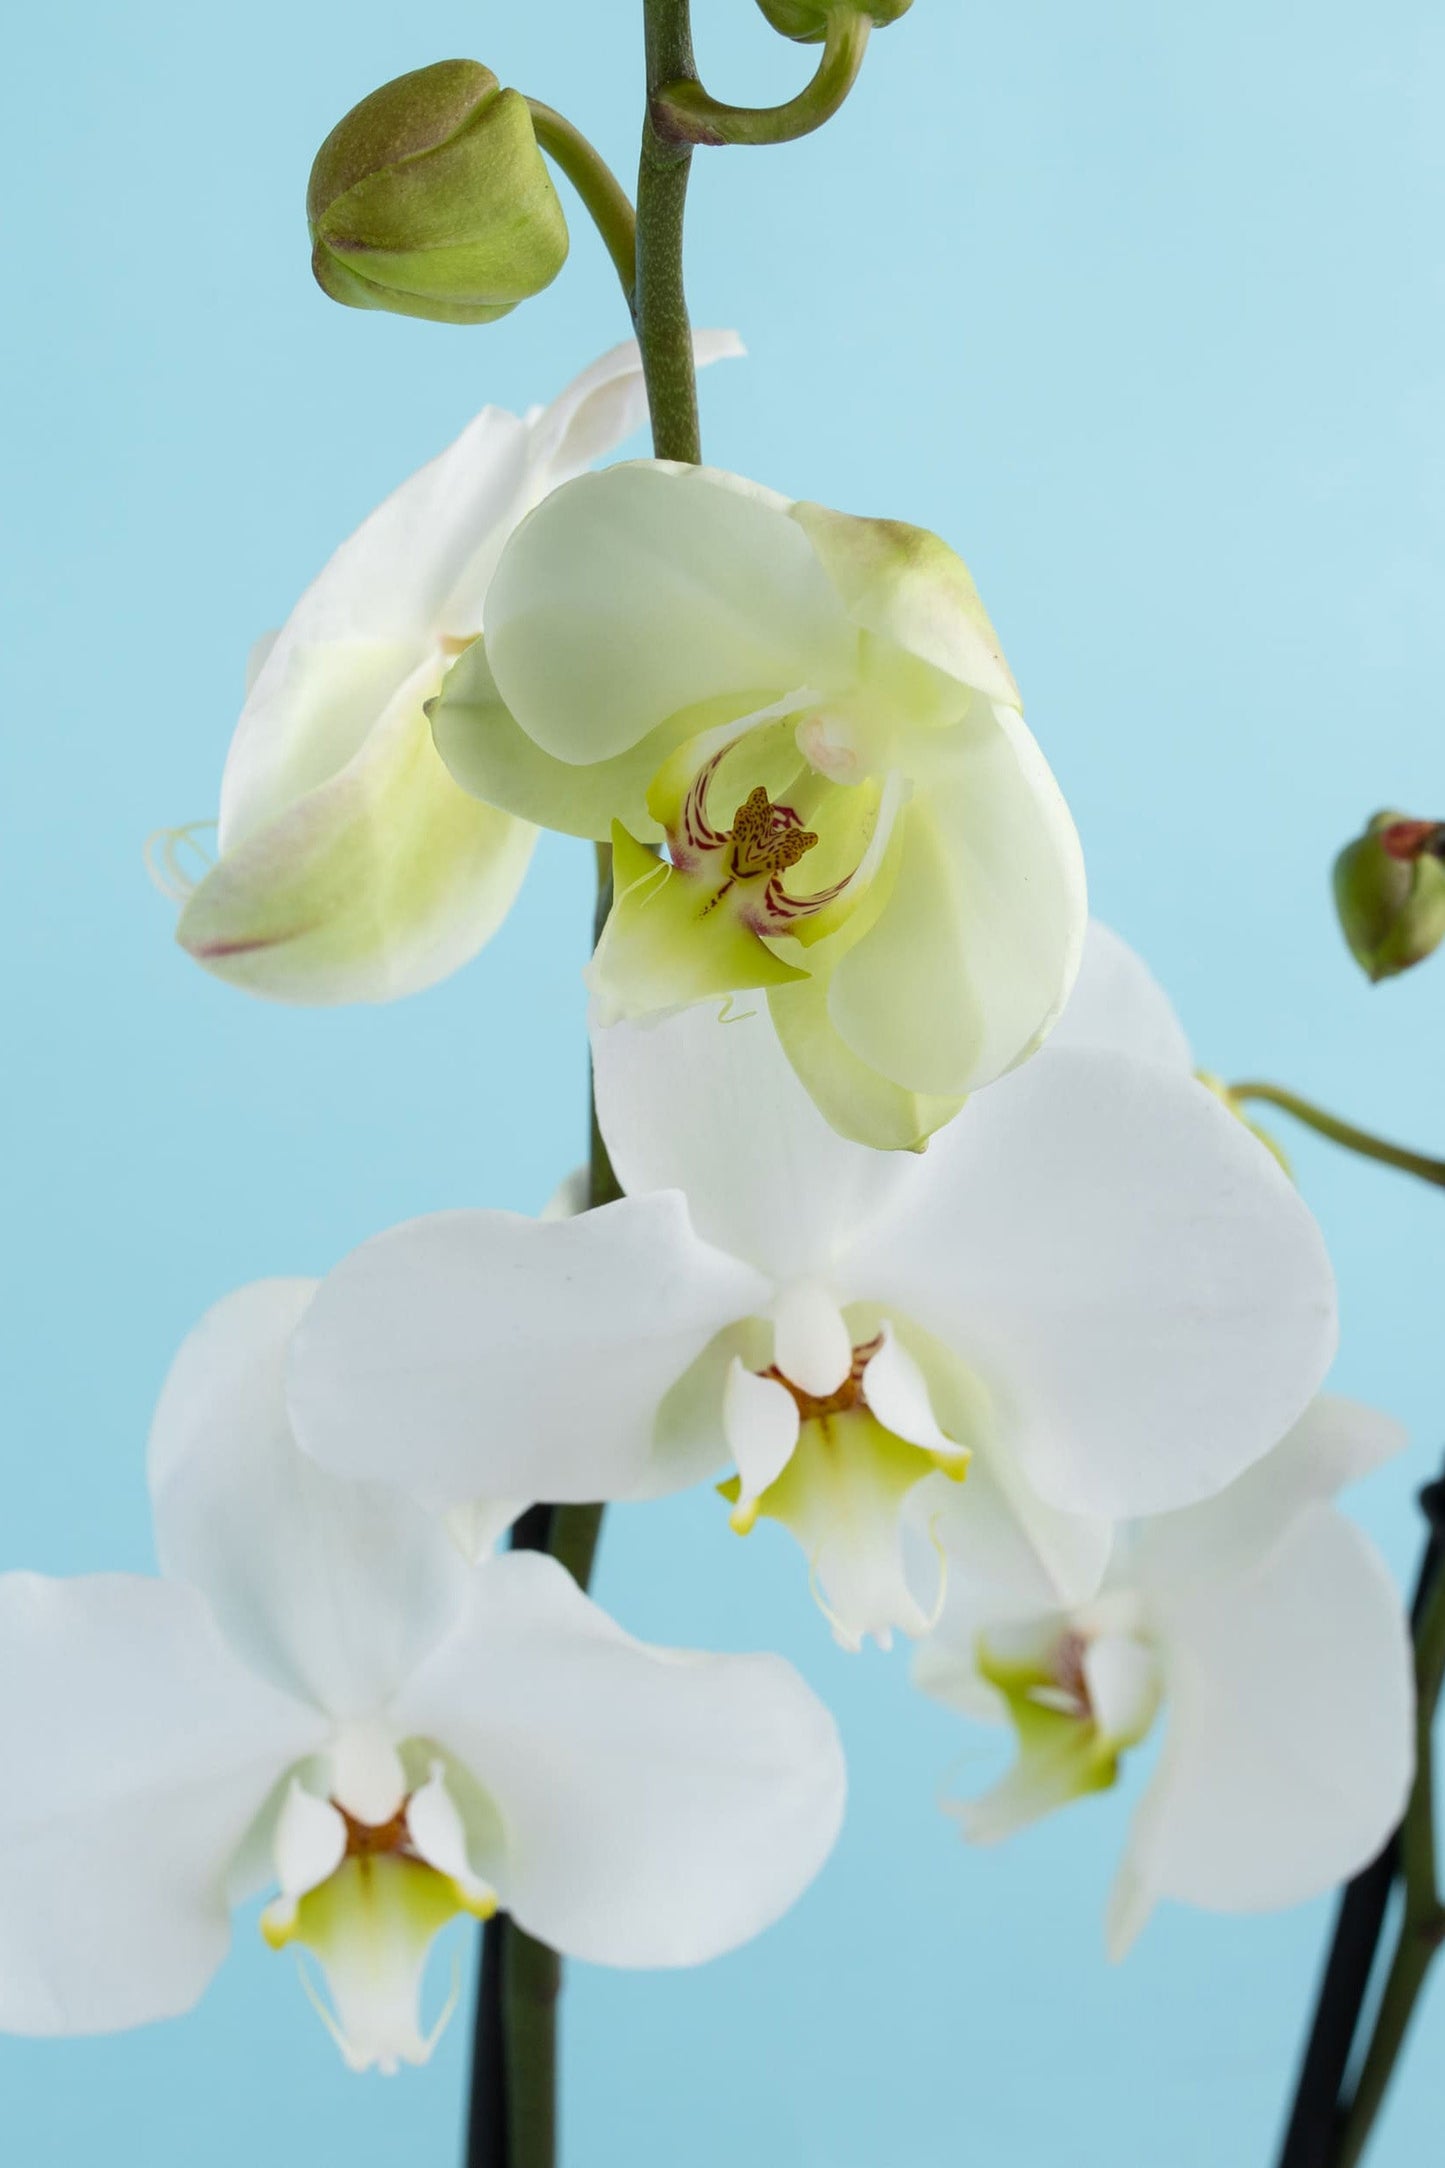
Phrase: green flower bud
[806,21]
[432,199]
[1390,893]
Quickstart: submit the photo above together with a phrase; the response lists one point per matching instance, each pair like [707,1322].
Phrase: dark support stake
[1318,2113]
[488,2130]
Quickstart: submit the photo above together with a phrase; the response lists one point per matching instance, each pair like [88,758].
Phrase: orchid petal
[480,1353]
[604,406]
[862,1106]
[1290,1747]
[1011,1559]
[438,1835]
[1008,1552]
[489,755]
[1121,1675]
[352,867]
[308,1846]
[761,1423]
[413,574]
[478,1525]
[975,949]
[897,1391]
[1335,1442]
[1138,1288]
[656,1808]
[907,586]
[713,1108]
[690,1426]
[631,595]
[138,1752]
[380,879]
[382,593]
[332,1590]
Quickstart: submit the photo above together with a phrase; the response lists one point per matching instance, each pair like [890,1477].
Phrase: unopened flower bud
[432,199]
[806,21]
[1390,893]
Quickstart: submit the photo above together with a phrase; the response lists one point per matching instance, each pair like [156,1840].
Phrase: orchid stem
[683,111]
[1422,1924]
[603,196]
[1344,1133]
[531,1984]
[1328,2127]
[497,2120]
[664,332]
[513,2120]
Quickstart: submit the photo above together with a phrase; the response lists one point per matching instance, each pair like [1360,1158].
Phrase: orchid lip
[836,1470]
[367,1899]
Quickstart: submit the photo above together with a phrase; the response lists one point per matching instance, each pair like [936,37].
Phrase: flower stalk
[683,111]
[1345,1134]
[1328,2126]
[515,2048]
[603,196]
[1422,1924]
[512,2107]
[663,330]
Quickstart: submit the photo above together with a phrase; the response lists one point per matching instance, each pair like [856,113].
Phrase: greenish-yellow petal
[663,947]
[908,586]
[492,758]
[376,883]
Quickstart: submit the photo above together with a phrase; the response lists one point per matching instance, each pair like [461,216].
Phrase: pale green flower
[811,712]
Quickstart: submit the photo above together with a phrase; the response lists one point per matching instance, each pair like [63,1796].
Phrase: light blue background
[1140,306]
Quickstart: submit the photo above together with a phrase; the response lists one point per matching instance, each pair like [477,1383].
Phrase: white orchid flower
[1093,1295]
[1266,1630]
[351,867]
[812,712]
[323,1697]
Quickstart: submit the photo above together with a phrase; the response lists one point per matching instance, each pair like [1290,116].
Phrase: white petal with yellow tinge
[351,866]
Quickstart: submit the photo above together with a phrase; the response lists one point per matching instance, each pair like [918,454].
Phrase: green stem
[531,1983]
[603,195]
[663,330]
[684,111]
[530,1973]
[1422,1926]
[1344,1133]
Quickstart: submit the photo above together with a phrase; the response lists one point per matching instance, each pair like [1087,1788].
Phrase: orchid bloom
[1094,1296]
[321,1696]
[351,867]
[812,713]
[1265,1630]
